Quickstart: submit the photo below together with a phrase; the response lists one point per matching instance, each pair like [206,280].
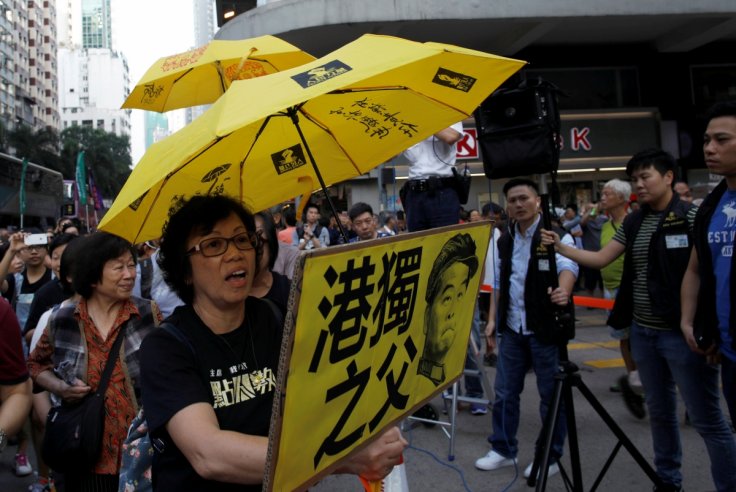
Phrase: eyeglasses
[33,247]
[215,246]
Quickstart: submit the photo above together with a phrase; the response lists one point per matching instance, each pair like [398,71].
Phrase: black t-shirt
[23,299]
[235,373]
[48,296]
[279,292]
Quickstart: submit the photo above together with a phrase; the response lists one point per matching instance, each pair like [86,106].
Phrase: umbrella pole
[295,119]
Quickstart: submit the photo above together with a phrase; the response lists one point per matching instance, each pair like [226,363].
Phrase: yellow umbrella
[202,75]
[272,138]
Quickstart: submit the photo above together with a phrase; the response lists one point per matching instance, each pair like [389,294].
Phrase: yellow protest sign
[376,329]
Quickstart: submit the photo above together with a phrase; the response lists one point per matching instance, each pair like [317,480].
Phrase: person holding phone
[22,287]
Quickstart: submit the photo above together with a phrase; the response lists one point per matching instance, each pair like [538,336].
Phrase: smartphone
[36,239]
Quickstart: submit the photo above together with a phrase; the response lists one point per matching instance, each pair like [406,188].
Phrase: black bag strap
[110,364]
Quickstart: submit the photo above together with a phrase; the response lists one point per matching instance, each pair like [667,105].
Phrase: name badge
[676,241]
[543,265]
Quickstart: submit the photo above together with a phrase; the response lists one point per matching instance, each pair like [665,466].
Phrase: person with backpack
[206,440]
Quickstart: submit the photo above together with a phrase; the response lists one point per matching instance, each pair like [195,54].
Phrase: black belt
[430,184]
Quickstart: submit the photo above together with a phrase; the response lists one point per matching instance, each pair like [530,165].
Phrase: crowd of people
[218,283]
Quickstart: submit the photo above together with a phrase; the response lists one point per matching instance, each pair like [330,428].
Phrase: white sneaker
[553,469]
[493,461]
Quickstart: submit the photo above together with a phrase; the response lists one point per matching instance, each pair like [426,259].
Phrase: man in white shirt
[430,198]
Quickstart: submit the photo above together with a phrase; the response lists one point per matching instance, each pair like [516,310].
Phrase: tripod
[566,378]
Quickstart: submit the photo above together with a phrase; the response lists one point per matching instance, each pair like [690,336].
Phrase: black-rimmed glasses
[215,246]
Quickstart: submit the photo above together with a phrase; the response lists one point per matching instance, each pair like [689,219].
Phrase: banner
[22,193]
[81,177]
[381,330]
[94,192]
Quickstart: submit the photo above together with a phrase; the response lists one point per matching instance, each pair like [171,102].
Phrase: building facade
[94,77]
[92,84]
[634,74]
[28,68]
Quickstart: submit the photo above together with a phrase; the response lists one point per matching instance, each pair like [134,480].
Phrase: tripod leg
[619,433]
[546,436]
[572,435]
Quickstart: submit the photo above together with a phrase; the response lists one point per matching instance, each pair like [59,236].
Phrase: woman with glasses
[208,386]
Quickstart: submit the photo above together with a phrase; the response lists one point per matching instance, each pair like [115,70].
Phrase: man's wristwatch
[3,440]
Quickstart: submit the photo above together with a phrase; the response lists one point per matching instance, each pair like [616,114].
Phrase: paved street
[429,470]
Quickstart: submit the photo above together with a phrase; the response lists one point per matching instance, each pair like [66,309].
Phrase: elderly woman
[209,439]
[79,338]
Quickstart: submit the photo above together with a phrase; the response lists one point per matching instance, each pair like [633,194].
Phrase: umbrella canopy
[202,75]
[272,138]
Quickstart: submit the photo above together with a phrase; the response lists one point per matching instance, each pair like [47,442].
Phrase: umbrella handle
[241,65]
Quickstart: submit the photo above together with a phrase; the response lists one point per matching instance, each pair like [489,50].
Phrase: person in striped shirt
[656,241]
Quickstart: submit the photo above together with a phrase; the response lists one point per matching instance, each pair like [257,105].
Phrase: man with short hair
[614,202]
[522,298]
[707,284]
[364,224]
[656,241]
[311,234]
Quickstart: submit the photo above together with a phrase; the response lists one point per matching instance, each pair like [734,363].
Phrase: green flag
[81,179]
[22,194]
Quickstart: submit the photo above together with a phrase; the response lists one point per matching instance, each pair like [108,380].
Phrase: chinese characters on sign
[377,120]
[381,327]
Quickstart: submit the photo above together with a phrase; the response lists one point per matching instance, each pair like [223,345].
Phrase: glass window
[593,88]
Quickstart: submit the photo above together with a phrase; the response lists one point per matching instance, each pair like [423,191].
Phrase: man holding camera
[522,298]
[310,234]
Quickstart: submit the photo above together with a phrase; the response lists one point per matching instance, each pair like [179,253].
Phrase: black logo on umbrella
[137,202]
[288,159]
[213,176]
[321,74]
[151,92]
[454,80]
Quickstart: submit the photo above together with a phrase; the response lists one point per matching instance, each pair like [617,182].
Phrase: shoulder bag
[74,430]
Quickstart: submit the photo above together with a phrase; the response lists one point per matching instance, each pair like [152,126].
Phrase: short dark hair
[96,249]
[359,209]
[657,158]
[61,240]
[572,206]
[459,248]
[306,209]
[513,183]
[68,265]
[272,240]
[289,215]
[197,215]
[720,109]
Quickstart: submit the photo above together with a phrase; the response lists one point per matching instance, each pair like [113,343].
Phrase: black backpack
[518,130]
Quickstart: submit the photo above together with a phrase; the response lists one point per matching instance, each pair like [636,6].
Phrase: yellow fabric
[357,107]
[358,337]
[201,76]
